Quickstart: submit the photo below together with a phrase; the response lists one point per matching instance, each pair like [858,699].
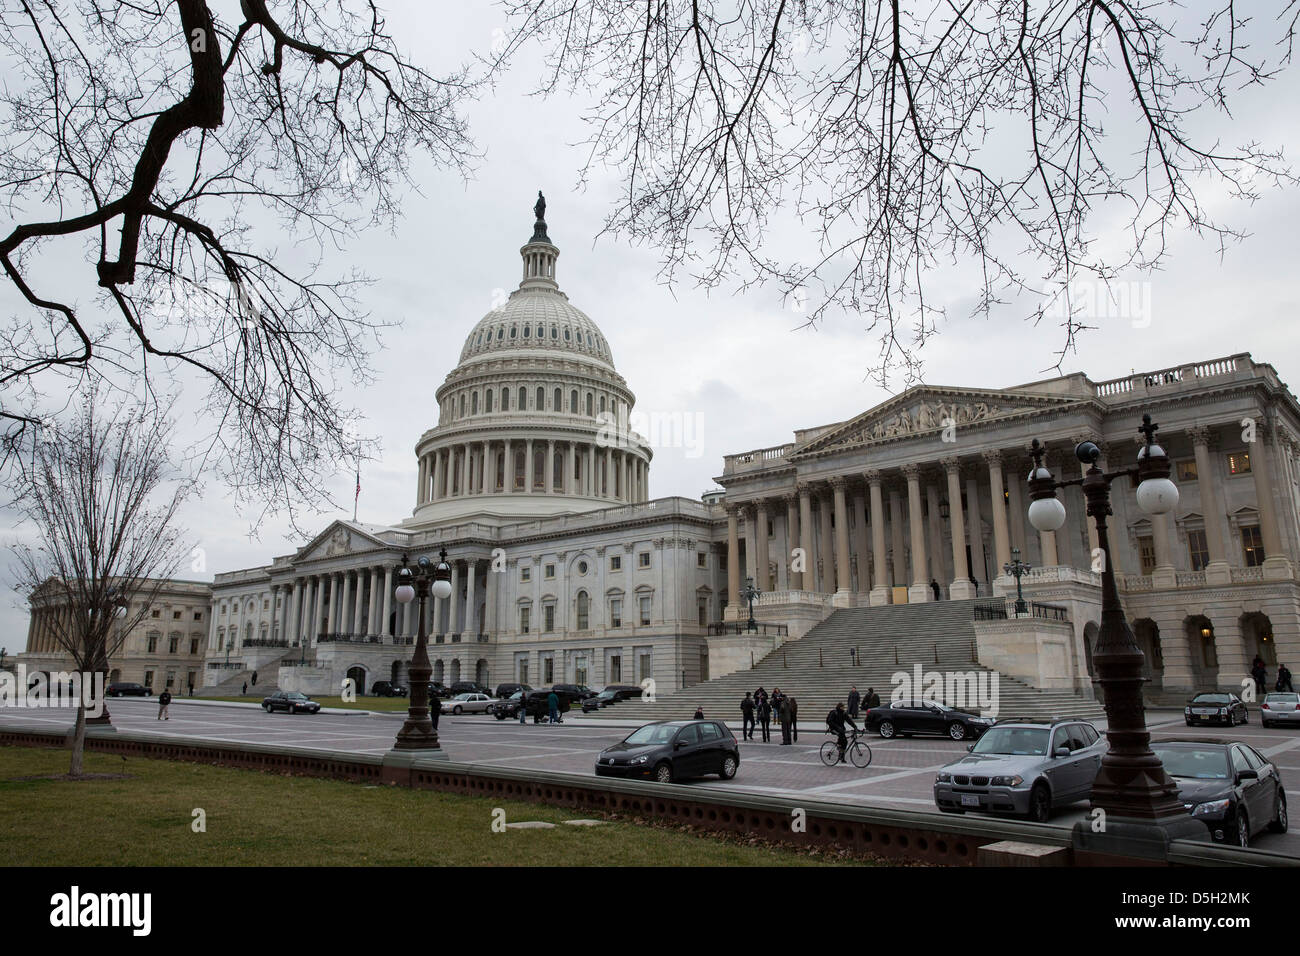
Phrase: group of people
[758,709]
[1260,673]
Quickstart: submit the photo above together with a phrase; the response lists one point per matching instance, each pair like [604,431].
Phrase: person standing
[872,699]
[784,714]
[1261,676]
[1284,678]
[765,718]
[934,586]
[245,691]
[435,709]
[854,700]
[747,718]
[794,719]
[553,707]
[523,706]
[699,712]
[164,699]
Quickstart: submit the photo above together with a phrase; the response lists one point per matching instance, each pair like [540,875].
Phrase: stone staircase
[267,667]
[819,668]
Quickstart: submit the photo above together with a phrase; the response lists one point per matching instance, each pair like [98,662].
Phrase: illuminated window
[1186,470]
[1252,546]
[1147,553]
[1239,463]
[1197,551]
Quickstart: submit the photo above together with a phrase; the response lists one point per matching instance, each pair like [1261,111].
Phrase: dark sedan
[673,750]
[1231,787]
[291,702]
[1214,707]
[603,699]
[125,689]
[386,688]
[907,717]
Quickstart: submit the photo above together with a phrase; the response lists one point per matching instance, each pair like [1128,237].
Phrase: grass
[261,819]
[393,704]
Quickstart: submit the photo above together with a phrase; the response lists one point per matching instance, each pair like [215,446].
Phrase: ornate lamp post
[418,732]
[1018,569]
[1142,812]
[748,593]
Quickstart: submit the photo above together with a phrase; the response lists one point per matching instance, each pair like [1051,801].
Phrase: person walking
[747,717]
[553,707]
[765,718]
[835,721]
[872,699]
[784,714]
[934,586]
[855,699]
[794,719]
[1260,674]
[245,692]
[164,699]
[435,710]
[1284,678]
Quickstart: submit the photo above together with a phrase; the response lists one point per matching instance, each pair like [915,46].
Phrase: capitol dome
[532,421]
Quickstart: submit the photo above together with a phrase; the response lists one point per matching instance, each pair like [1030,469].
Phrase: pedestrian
[254,678]
[699,712]
[1260,674]
[835,721]
[435,709]
[759,695]
[747,717]
[776,702]
[1284,678]
[523,706]
[794,719]
[872,699]
[765,718]
[854,700]
[934,586]
[784,714]
[245,691]
[164,699]
[553,707]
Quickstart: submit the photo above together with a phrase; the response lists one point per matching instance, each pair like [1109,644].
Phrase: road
[900,776]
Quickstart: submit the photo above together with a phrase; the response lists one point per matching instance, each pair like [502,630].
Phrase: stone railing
[1062,574]
[350,639]
[1247,575]
[790,596]
[1134,582]
[720,628]
[758,458]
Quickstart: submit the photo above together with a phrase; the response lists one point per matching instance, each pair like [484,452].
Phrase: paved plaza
[900,776]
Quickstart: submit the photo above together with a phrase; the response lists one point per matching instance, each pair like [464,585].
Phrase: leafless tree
[174,153]
[1045,143]
[96,492]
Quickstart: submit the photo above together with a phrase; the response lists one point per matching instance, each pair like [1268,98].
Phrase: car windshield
[652,734]
[1283,698]
[1210,699]
[296,695]
[464,696]
[1208,764]
[1013,740]
[608,693]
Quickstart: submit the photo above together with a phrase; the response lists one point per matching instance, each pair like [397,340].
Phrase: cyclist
[836,720]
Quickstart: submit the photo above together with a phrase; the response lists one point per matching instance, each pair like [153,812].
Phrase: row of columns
[588,469]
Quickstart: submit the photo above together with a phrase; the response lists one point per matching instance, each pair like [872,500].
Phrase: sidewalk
[256,705]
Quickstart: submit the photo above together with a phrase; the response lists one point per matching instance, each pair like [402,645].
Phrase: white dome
[541,320]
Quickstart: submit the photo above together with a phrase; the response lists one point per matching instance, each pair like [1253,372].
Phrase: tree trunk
[78,742]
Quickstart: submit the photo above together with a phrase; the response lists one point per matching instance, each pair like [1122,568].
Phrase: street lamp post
[748,593]
[1140,808]
[1018,569]
[418,732]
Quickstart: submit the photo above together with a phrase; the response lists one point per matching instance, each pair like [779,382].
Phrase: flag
[357,497]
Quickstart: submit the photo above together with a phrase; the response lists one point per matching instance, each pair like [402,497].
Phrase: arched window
[501,333]
[501,470]
[590,410]
[584,611]
[555,332]
[487,401]
[557,472]
[528,331]
[602,404]
[505,399]
[523,399]
[513,331]
[473,403]
[558,404]
[541,398]
[519,470]
[566,335]
[462,406]
[573,401]
[539,468]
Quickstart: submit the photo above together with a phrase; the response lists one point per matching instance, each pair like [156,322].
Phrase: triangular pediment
[926,410]
[340,537]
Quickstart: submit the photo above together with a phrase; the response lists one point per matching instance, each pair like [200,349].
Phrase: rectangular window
[615,669]
[1197,550]
[704,611]
[153,643]
[172,643]
[524,613]
[148,678]
[548,617]
[156,613]
[548,670]
[643,559]
[194,645]
[198,615]
[701,559]
[1186,470]
[645,610]
[549,571]
[616,612]
[1252,546]
[1239,463]
[176,615]
[616,562]
[525,574]
[1147,553]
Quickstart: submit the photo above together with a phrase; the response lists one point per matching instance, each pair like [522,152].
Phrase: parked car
[604,699]
[386,688]
[1230,786]
[908,717]
[538,705]
[1214,707]
[1028,767]
[625,691]
[467,704]
[575,692]
[438,690]
[469,687]
[673,750]
[507,690]
[1279,708]
[501,709]
[127,689]
[291,702]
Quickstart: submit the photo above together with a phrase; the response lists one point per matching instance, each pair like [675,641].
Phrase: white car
[468,704]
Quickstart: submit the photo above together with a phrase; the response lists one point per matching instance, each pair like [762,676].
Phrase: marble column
[345,605]
[938,570]
[751,548]
[827,544]
[733,559]
[975,532]
[898,562]
[762,557]
[569,483]
[421,494]
[1016,514]
[918,591]
[880,584]
[317,620]
[387,605]
[471,599]
[808,576]
[359,621]
[528,471]
[1217,570]
[843,570]
[1277,566]
[793,579]
[294,596]
[453,617]
[592,491]
[861,544]
[1001,533]
[961,587]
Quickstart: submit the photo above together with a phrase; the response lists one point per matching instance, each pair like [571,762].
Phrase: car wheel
[664,772]
[292,709]
[1243,829]
[456,710]
[500,716]
[1188,722]
[1040,803]
[887,729]
[728,767]
[1279,823]
[267,708]
[956,730]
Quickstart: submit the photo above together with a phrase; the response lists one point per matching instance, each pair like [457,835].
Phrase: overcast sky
[737,365]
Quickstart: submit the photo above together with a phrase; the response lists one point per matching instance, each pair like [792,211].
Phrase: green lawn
[361,703]
[260,819]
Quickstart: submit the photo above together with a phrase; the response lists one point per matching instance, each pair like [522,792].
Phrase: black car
[386,688]
[625,691]
[291,702]
[575,692]
[1231,787]
[507,690]
[509,707]
[1214,707]
[604,699]
[126,689]
[538,704]
[439,690]
[908,717]
[467,687]
[673,750]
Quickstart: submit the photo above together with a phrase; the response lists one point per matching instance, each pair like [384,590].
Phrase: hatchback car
[673,750]
[907,717]
[1279,708]
[126,689]
[1214,707]
[1231,787]
[1026,767]
[291,702]
[468,704]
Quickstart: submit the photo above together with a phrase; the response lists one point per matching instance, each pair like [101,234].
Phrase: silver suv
[1023,766]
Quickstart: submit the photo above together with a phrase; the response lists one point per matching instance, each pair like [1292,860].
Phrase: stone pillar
[961,588]
[861,545]
[453,616]
[793,579]
[880,586]
[471,604]
[569,484]
[528,473]
[421,493]
[606,480]
[1016,509]
[487,482]
[1001,533]
[975,532]
[345,605]
[1047,548]
[827,544]
[919,590]
[290,633]
[317,619]
[898,564]
[372,618]
[733,558]
[1164,575]
[388,601]
[591,471]
[1217,570]
[938,570]
[548,475]
[762,558]
[808,576]
[359,619]
[751,548]
[1277,566]
[843,570]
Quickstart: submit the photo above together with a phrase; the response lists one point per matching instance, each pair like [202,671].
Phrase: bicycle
[856,750]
